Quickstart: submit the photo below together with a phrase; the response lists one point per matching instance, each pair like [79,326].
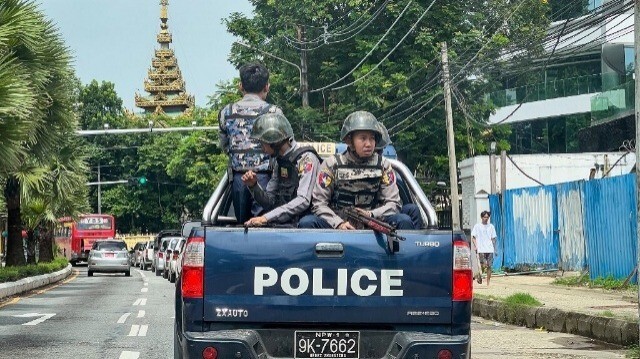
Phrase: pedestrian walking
[484,236]
[236,123]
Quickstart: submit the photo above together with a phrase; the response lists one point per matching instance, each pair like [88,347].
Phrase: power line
[370,51]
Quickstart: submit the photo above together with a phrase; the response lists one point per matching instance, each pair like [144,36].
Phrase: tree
[384,58]
[40,63]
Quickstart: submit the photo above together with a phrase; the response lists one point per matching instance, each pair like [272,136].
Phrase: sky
[113,40]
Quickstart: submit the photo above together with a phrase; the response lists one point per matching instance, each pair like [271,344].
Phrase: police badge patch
[324,179]
[388,177]
[305,167]
[284,172]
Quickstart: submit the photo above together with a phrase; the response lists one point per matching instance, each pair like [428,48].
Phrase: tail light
[160,255]
[193,268]
[175,256]
[445,354]
[462,275]
[210,353]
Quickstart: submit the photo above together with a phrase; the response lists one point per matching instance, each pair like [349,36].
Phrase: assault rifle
[393,239]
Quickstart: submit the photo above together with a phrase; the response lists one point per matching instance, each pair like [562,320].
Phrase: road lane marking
[141,314]
[123,318]
[129,355]
[134,330]
[140,301]
[43,317]
[146,284]
[144,290]
[138,330]
[142,274]
[143,330]
[12,301]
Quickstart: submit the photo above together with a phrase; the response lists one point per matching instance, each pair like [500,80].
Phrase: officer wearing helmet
[410,209]
[359,178]
[288,193]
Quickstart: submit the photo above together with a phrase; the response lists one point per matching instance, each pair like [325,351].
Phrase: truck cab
[322,293]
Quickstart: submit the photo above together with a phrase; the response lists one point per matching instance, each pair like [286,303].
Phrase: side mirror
[169,251]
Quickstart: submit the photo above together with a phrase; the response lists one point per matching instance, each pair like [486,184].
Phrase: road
[112,316]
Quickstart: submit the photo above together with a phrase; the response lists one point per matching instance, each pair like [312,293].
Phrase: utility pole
[304,83]
[637,112]
[99,190]
[453,166]
[503,173]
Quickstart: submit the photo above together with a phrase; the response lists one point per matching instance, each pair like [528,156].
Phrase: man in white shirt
[484,236]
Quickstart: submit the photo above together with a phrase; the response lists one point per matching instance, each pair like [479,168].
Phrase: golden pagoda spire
[164,83]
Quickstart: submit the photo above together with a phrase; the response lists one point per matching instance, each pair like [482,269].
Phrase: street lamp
[492,147]
[150,126]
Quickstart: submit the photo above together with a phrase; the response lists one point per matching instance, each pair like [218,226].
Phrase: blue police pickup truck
[316,293]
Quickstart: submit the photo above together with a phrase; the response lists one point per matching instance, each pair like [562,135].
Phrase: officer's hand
[249,178]
[346,226]
[256,221]
[364,212]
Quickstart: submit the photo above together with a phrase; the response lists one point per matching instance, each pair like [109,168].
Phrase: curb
[610,330]
[30,283]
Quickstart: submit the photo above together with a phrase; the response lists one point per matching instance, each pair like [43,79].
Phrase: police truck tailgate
[326,276]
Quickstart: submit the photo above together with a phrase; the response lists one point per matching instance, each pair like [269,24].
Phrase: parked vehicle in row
[168,254]
[109,256]
[136,254]
[174,260]
[161,244]
[146,259]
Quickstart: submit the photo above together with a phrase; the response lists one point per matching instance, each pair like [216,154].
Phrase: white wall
[546,168]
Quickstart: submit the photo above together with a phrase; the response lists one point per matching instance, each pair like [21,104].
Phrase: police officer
[359,178]
[236,121]
[287,196]
[410,209]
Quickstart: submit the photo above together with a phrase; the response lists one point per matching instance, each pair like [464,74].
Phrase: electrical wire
[370,51]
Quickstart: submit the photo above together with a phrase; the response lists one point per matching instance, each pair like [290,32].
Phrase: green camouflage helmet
[361,121]
[385,140]
[272,128]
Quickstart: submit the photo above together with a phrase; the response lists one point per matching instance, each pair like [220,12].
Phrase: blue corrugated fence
[569,226]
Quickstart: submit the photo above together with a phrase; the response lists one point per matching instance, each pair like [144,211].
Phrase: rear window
[95,223]
[110,246]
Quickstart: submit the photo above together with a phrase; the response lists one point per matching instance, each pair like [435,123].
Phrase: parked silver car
[109,256]
[146,258]
[168,254]
[159,254]
[174,260]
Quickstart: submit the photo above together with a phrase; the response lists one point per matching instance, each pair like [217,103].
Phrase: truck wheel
[90,273]
[73,263]
[142,266]
[172,278]
[158,272]
[127,273]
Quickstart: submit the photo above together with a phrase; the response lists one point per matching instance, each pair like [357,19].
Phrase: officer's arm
[389,195]
[266,198]
[322,192]
[307,167]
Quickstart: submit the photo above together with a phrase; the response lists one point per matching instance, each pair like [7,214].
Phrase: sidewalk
[610,316]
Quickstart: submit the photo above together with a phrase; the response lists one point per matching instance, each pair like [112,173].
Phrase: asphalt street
[113,316]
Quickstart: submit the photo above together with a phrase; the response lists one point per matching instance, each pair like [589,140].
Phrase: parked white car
[174,261]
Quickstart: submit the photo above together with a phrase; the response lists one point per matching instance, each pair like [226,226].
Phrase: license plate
[108,255]
[327,344]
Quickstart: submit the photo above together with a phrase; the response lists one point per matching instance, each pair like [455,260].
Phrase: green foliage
[352,67]
[583,281]
[522,299]
[633,352]
[12,274]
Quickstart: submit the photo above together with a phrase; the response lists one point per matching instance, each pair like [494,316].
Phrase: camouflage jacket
[236,122]
[353,174]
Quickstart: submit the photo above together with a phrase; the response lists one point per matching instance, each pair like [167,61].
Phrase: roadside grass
[633,352]
[609,282]
[12,274]
[607,313]
[522,299]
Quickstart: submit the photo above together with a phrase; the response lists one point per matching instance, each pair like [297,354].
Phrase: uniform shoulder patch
[305,165]
[324,179]
[388,176]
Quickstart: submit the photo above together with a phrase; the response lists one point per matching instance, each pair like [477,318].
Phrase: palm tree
[36,105]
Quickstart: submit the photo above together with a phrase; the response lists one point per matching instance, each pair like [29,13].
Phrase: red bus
[74,239]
